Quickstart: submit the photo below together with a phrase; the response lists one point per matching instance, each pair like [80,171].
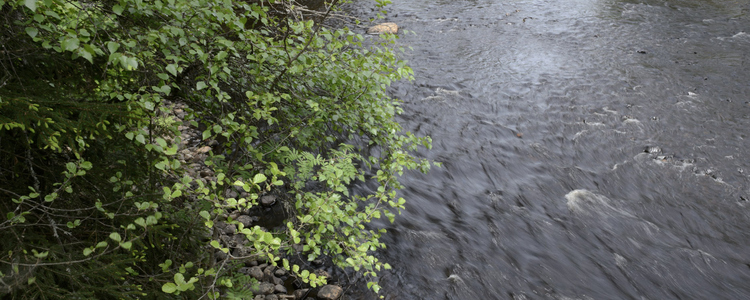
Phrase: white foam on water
[620,261]
[606,109]
[632,121]
[585,201]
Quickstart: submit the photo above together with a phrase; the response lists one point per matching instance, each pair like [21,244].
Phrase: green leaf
[172,69]
[205,214]
[51,197]
[31,4]
[215,244]
[87,251]
[112,47]
[169,288]
[115,236]
[117,9]
[32,32]
[10,215]
[70,44]
[200,85]
[126,245]
[259,178]
[132,63]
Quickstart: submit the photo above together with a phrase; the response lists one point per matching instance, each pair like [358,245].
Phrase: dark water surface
[592,149]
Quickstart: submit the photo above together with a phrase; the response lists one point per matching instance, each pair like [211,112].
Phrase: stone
[300,294]
[279,289]
[243,251]
[256,272]
[268,273]
[245,220]
[272,297]
[279,272]
[268,200]
[203,149]
[277,281]
[259,297]
[322,273]
[330,292]
[240,240]
[383,28]
[230,229]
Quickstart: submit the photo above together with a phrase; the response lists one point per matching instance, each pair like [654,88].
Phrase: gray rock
[242,251]
[268,273]
[277,280]
[279,272]
[268,200]
[301,293]
[279,289]
[330,292]
[259,297]
[245,220]
[230,229]
[256,272]
[272,297]
[240,239]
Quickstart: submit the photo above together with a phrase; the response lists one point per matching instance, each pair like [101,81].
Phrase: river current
[591,149]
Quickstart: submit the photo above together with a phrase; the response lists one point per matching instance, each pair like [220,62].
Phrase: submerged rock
[383,28]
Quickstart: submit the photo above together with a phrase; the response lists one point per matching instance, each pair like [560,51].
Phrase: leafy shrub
[96,198]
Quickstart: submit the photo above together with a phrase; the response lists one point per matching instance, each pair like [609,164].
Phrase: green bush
[96,202]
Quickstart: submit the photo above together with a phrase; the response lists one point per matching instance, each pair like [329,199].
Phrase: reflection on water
[591,149]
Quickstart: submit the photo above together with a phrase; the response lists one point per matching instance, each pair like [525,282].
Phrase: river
[592,149]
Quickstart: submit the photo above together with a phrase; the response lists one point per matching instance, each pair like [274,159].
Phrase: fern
[242,286]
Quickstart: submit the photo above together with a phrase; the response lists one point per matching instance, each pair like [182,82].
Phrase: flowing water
[592,149]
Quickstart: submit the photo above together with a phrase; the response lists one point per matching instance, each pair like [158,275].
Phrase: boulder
[383,28]
[330,292]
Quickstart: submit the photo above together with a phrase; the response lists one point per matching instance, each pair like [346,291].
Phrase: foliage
[97,198]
